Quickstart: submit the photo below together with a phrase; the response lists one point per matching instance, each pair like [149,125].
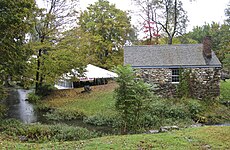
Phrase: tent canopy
[97,72]
[92,72]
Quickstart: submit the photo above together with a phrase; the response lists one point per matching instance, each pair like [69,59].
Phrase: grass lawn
[99,101]
[211,137]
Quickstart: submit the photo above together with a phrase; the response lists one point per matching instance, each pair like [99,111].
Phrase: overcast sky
[199,11]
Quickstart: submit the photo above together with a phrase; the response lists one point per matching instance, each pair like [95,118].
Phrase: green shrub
[33,98]
[176,112]
[3,92]
[158,108]
[149,121]
[194,108]
[214,119]
[63,114]
[224,92]
[183,89]
[39,133]
[2,110]
[69,133]
[11,127]
[166,109]
[45,90]
[100,120]
[168,112]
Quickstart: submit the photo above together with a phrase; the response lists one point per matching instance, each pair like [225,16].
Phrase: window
[65,83]
[175,75]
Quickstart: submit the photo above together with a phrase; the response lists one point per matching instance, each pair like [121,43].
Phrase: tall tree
[50,22]
[15,23]
[110,28]
[220,37]
[227,13]
[226,59]
[150,18]
[168,14]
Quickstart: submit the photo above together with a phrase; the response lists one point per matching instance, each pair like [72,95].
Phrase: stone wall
[204,82]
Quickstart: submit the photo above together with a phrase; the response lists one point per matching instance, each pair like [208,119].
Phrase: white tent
[91,72]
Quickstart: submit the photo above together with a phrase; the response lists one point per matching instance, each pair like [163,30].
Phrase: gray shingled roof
[168,56]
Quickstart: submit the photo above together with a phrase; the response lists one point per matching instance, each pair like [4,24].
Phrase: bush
[224,92]
[2,110]
[176,112]
[39,133]
[45,90]
[149,121]
[158,108]
[100,120]
[64,115]
[33,98]
[170,111]
[183,89]
[3,92]
[194,108]
[166,109]
[69,133]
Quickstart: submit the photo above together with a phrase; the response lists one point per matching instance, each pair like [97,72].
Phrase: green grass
[99,102]
[89,104]
[225,90]
[95,103]
[191,138]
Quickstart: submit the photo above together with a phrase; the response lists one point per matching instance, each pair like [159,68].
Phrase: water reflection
[19,108]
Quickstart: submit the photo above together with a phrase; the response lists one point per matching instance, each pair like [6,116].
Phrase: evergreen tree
[132,99]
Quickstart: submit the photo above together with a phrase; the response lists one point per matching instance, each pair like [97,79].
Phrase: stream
[20,109]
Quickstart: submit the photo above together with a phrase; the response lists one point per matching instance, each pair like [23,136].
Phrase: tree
[168,14]
[110,28]
[50,23]
[150,18]
[226,62]
[132,99]
[220,37]
[227,13]
[15,18]
[226,59]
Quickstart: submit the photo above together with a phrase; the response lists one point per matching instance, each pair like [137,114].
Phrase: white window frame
[175,75]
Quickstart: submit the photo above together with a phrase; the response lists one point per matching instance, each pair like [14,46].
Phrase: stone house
[161,64]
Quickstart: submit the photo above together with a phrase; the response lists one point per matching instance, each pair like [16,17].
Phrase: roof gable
[168,56]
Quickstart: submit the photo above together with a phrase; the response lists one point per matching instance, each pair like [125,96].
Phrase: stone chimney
[207,45]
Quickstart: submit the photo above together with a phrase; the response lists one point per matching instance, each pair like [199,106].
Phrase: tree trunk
[170,38]
[38,71]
